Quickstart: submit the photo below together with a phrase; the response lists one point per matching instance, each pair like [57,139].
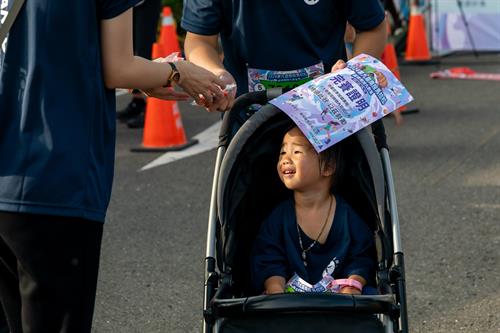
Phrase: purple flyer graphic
[333,106]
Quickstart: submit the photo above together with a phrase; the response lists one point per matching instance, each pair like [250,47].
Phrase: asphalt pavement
[446,164]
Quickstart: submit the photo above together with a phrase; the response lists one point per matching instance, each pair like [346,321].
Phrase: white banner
[449,26]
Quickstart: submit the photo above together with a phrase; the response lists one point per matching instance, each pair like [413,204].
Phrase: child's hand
[350,290]
[274,285]
[274,291]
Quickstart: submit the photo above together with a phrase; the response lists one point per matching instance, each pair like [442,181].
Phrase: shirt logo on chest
[311,2]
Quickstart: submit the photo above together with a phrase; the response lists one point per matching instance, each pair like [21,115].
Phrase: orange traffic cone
[168,36]
[417,48]
[163,129]
[389,57]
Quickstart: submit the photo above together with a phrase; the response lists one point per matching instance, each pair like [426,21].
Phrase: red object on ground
[464,73]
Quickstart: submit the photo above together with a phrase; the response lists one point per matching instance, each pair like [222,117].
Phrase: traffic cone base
[163,129]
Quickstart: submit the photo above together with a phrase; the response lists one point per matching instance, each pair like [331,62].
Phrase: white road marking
[207,140]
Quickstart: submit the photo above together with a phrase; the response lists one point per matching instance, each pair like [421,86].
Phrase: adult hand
[226,103]
[199,83]
[167,93]
[340,64]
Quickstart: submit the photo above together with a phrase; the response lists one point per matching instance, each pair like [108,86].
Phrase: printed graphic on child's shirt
[331,107]
[263,79]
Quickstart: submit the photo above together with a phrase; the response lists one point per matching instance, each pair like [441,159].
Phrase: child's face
[298,164]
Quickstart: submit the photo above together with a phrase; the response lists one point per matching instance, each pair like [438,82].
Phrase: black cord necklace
[304,251]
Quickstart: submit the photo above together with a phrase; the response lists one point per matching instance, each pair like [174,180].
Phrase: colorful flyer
[333,106]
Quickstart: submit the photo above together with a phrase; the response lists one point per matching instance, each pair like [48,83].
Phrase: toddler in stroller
[245,192]
[315,234]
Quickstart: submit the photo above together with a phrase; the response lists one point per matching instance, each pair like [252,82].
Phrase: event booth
[464,25]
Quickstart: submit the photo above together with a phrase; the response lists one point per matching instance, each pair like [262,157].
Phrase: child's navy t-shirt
[277,250]
[279,35]
[57,120]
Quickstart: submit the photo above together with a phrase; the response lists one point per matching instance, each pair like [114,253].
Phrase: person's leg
[9,288]
[57,265]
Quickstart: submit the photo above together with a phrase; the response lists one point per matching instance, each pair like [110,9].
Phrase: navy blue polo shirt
[277,251]
[57,120]
[279,35]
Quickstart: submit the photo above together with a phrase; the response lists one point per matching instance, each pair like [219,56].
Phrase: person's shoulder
[365,15]
[202,17]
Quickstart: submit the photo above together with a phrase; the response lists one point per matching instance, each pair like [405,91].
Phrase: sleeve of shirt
[364,14]
[202,17]
[109,9]
[360,259]
[268,255]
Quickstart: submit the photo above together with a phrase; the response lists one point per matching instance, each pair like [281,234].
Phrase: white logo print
[311,2]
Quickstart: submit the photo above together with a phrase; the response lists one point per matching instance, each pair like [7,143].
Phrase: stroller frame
[390,308]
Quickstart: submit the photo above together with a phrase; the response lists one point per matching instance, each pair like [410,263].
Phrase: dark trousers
[48,272]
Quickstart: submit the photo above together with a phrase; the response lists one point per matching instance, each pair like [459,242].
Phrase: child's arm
[352,290]
[360,263]
[274,285]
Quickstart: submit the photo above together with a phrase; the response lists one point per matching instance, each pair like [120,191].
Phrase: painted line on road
[207,140]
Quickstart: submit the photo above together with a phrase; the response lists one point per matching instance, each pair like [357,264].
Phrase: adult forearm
[136,72]
[121,69]
[371,42]
[202,50]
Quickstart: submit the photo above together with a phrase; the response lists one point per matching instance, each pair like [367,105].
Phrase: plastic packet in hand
[229,88]
[297,285]
[173,57]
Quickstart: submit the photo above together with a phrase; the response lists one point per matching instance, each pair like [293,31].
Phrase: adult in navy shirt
[58,70]
[280,42]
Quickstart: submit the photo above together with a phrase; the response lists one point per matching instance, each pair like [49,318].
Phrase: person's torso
[299,39]
[57,122]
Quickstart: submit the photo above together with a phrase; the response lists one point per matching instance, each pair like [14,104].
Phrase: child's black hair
[332,157]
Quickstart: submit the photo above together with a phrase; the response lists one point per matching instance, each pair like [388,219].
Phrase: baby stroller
[245,190]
